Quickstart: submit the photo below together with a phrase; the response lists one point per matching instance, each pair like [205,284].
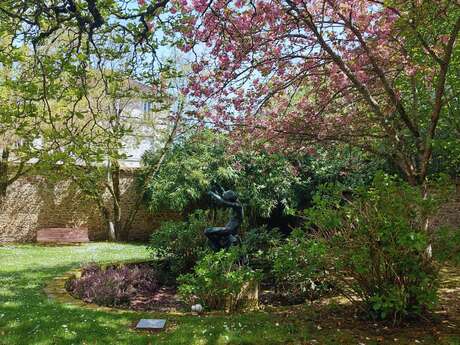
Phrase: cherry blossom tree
[287,75]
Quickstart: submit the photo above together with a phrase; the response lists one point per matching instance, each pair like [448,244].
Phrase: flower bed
[140,287]
[131,286]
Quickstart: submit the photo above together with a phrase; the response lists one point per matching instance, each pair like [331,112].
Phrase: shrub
[379,240]
[178,245]
[114,286]
[300,267]
[446,245]
[220,282]
[195,164]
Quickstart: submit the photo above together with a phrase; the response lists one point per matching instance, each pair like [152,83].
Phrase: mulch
[164,300]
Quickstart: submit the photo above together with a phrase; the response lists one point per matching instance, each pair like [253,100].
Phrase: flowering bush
[113,286]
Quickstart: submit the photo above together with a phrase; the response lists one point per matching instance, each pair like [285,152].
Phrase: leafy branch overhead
[61,62]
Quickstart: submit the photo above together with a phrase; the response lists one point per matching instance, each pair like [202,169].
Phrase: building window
[147,106]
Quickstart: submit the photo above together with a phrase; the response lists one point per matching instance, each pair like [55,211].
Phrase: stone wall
[35,202]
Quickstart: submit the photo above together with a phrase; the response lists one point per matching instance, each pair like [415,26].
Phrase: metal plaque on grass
[151,324]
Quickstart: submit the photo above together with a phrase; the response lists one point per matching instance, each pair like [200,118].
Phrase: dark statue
[227,236]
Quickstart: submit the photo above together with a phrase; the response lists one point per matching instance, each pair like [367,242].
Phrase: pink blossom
[197,68]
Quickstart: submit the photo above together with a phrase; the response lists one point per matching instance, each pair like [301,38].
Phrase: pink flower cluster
[290,73]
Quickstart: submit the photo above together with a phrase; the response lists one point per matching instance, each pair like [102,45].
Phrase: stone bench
[62,235]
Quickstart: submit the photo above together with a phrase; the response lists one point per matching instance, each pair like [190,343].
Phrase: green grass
[28,316]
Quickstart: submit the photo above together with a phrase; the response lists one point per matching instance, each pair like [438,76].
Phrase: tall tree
[100,179]
[380,75]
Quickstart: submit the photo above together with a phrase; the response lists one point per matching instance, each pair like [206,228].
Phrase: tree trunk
[426,226]
[115,229]
[108,222]
[121,233]
[112,231]
[4,174]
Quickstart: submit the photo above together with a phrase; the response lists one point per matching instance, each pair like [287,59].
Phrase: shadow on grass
[28,316]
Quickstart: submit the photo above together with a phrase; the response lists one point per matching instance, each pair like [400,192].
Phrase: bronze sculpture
[227,236]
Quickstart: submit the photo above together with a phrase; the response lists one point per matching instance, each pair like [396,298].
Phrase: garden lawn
[28,316]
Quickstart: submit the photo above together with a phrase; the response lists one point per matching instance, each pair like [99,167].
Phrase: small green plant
[177,245]
[220,282]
